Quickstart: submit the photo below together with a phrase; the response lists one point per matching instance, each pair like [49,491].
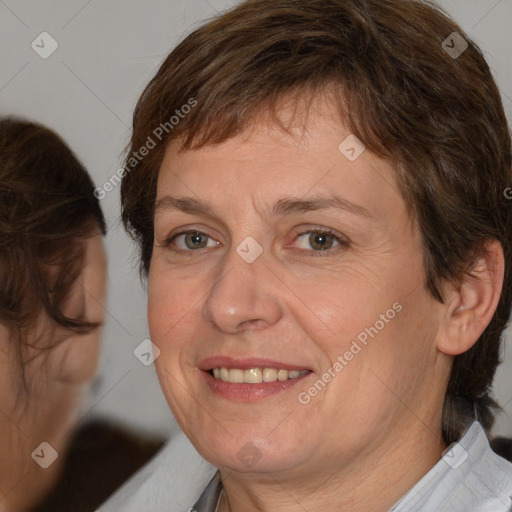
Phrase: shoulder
[484,479]
[491,477]
[470,477]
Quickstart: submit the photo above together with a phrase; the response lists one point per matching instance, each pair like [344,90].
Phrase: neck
[375,482]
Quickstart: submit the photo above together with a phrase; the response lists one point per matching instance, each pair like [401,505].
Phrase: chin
[251,453]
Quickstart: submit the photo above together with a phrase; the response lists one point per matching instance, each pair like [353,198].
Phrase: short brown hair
[47,208]
[439,119]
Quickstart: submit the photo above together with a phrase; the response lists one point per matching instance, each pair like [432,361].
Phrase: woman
[328,254]
[52,294]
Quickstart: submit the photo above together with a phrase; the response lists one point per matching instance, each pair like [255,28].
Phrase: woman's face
[46,410]
[301,264]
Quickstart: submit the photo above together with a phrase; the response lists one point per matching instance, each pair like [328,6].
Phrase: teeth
[224,374]
[255,375]
[269,374]
[236,375]
[282,375]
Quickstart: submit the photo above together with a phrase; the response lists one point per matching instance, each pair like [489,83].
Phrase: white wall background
[86,91]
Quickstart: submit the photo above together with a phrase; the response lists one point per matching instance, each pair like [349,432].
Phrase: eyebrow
[285,206]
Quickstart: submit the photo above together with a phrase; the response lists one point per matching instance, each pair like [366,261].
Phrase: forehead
[264,162]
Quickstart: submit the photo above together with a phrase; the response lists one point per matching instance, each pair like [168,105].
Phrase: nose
[245,296]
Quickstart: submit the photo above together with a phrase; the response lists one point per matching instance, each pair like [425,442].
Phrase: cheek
[167,321]
[334,312]
[171,303]
[75,361]
[363,333]
[369,303]
[170,326]
[161,311]
[382,358]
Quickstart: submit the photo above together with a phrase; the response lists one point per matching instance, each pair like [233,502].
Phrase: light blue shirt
[470,477]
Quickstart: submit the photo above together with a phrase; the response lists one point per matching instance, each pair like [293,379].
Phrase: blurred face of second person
[55,371]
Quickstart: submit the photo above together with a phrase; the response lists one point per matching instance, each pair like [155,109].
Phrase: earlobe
[471,306]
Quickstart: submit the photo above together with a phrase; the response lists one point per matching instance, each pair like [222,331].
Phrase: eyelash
[342,241]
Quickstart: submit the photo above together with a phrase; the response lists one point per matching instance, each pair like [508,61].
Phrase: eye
[191,240]
[319,240]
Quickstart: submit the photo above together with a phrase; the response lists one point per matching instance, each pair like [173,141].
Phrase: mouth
[255,375]
[250,379]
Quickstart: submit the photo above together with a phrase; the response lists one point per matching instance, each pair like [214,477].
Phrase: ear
[470,307]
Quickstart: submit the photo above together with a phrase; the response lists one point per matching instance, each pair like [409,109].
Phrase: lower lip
[244,392]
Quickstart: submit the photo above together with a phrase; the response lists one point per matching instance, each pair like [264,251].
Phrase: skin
[374,430]
[56,380]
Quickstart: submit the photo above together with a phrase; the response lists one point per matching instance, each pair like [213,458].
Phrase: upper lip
[246,363]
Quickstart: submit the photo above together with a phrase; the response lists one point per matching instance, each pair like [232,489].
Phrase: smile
[255,375]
